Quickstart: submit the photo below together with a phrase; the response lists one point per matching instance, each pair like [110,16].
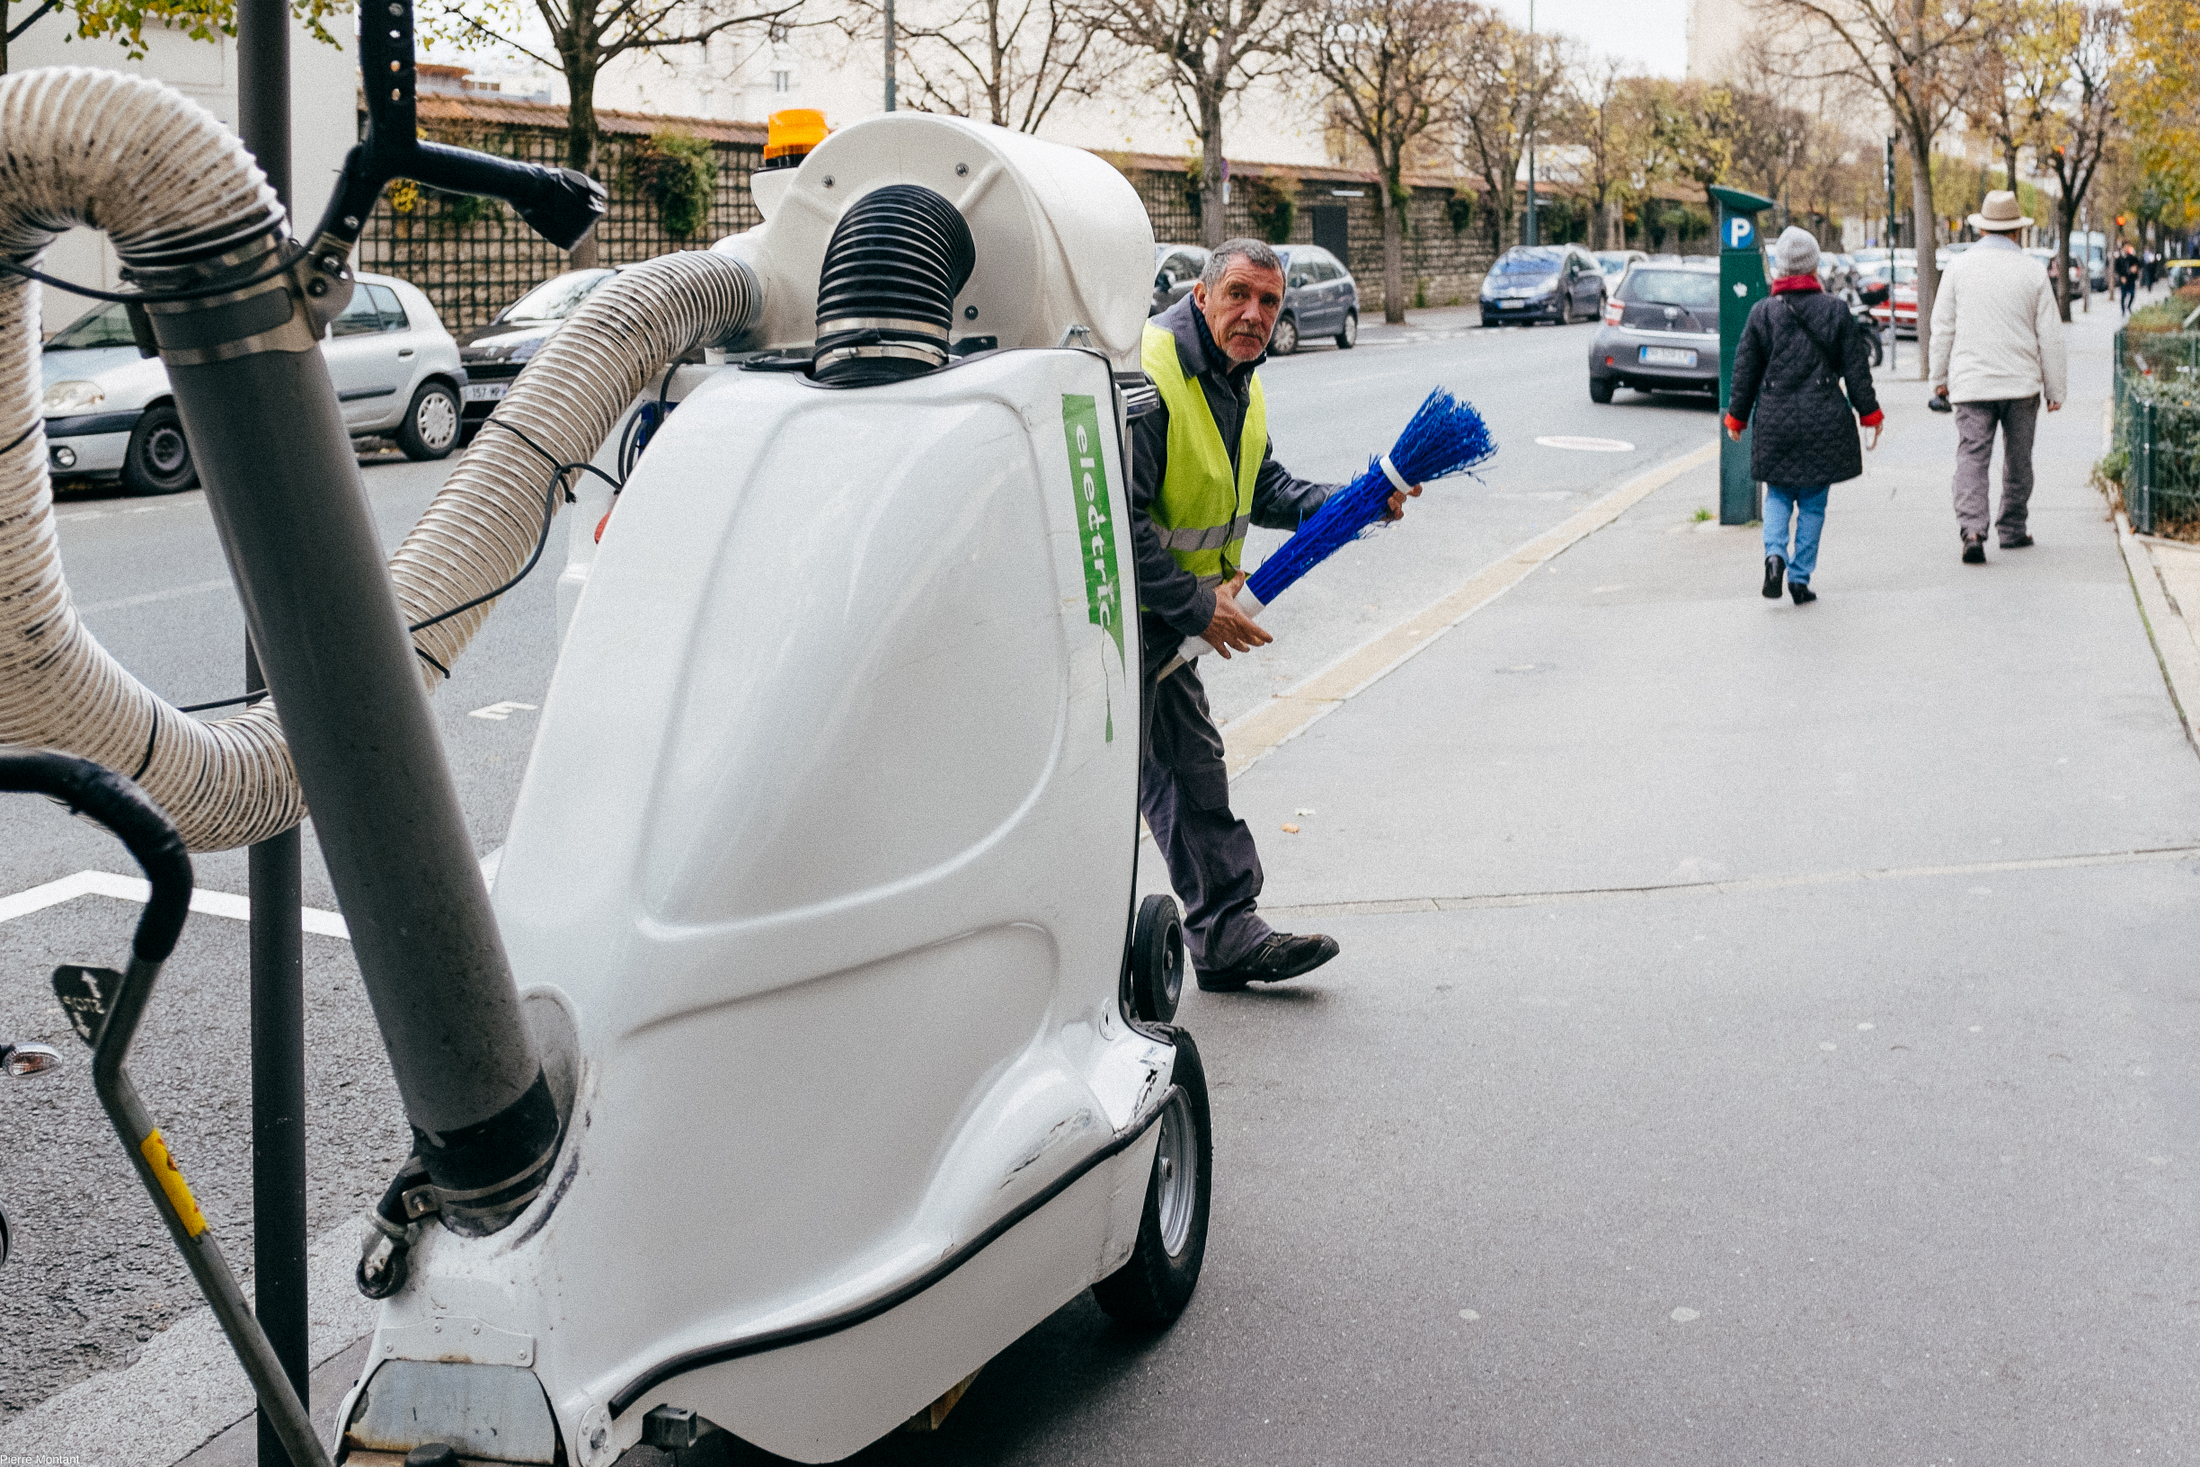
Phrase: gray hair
[1252,251]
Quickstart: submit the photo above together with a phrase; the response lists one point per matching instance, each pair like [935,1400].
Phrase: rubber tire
[1157,959]
[1348,335]
[416,445]
[1285,339]
[159,430]
[1600,389]
[1153,1287]
[1878,349]
[1565,308]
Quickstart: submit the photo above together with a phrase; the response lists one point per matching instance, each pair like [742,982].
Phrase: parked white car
[109,412]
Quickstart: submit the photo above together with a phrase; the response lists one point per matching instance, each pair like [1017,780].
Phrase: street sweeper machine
[808,1049]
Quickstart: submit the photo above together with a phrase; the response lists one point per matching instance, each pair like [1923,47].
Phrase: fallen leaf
[1290,830]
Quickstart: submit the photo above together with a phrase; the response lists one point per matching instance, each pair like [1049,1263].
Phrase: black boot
[1279,956]
[1974,550]
[1775,570]
[1803,594]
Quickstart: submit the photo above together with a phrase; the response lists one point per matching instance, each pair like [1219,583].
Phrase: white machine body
[825,854]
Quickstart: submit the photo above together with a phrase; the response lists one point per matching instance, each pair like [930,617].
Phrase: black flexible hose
[886,297]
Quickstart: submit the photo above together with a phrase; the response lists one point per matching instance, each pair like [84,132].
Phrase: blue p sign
[1741,232]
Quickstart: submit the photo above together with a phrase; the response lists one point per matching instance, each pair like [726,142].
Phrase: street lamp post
[1534,115]
[889,55]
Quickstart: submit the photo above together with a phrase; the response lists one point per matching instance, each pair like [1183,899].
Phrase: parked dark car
[1320,298]
[1176,269]
[1531,283]
[493,354]
[1660,333]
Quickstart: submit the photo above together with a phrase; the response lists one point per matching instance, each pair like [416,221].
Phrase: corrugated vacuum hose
[173,188]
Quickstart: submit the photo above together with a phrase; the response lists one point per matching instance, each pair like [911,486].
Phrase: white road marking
[135,889]
[175,593]
[1586,445]
[498,712]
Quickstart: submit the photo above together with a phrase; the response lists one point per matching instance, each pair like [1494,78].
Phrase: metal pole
[889,55]
[1529,233]
[274,881]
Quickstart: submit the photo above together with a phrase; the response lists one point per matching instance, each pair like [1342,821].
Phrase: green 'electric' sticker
[1088,474]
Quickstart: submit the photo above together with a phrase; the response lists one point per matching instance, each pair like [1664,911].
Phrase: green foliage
[124,21]
[1420,294]
[466,210]
[1274,207]
[1459,211]
[679,174]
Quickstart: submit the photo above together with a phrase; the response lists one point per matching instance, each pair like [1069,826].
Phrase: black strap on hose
[128,812]
[285,259]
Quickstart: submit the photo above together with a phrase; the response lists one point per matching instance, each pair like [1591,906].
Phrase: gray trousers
[1184,793]
[2018,418]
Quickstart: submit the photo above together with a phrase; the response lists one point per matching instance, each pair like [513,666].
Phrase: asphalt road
[154,587]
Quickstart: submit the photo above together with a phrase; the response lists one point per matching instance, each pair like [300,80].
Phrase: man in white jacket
[1997,351]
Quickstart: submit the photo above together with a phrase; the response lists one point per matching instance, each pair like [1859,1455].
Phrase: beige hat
[1999,212]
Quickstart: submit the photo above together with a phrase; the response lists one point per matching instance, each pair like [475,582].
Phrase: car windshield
[1527,262]
[107,325]
[1694,289]
[556,298]
[1611,264]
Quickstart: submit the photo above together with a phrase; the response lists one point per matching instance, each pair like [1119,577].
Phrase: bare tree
[1509,83]
[1599,115]
[1006,61]
[1913,55]
[585,36]
[1212,50]
[1394,67]
[2070,103]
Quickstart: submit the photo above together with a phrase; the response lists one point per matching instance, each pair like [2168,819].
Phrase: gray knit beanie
[1795,252]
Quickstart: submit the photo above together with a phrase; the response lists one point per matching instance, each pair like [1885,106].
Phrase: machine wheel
[1348,335]
[1286,338]
[158,460]
[1600,389]
[1152,1288]
[430,429]
[1879,348]
[1157,960]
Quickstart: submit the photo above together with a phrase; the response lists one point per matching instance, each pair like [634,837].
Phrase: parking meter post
[1741,285]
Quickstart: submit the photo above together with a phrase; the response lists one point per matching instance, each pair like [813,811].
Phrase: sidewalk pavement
[1763,1033]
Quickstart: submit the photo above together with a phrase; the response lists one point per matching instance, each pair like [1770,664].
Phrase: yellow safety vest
[1202,516]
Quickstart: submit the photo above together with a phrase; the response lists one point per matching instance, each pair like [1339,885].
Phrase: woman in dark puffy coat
[1798,349]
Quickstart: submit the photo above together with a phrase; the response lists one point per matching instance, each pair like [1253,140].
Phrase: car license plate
[1667,356]
[486,391]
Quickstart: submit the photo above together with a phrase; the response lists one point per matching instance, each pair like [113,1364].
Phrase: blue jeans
[1808,506]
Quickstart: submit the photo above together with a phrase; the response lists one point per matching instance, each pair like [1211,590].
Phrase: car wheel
[1600,389]
[158,460]
[430,429]
[1151,1289]
[1286,338]
[1349,335]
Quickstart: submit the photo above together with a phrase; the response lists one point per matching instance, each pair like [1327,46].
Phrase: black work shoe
[1279,957]
[1803,594]
[1974,550]
[1775,568]
[2017,544]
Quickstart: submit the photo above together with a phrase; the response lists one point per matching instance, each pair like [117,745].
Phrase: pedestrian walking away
[1997,353]
[1799,349]
[1204,471]
[2127,278]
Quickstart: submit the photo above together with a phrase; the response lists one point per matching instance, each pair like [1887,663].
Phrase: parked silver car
[1660,332]
[109,412]
[1175,270]
[1320,298]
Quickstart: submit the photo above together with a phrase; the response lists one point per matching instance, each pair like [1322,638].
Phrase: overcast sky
[1651,33]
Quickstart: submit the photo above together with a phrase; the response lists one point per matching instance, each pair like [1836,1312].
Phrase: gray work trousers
[1184,793]
[2018,418]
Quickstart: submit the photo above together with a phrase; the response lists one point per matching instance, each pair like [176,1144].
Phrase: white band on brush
[1390,471]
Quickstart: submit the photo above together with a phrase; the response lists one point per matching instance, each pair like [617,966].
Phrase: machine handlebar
[118,804]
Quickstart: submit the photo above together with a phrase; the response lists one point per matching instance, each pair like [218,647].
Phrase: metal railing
[2157,425]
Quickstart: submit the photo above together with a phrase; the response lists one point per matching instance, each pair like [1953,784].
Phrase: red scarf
[1794,282]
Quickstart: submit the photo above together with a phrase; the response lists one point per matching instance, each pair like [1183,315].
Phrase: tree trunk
[1213,223]
[1394,254]
[2066,213]
[580,143]
[1924,234]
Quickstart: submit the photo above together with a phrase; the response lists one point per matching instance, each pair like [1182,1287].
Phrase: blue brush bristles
[1446,436]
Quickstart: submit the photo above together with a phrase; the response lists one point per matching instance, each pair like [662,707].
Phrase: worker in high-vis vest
[1204,471]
